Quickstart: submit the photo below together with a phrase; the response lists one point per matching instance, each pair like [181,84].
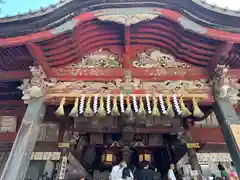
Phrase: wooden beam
[19,158]
[14,75]
[145,74]
[230,126]
[221,54]
[127,46]
[37,54]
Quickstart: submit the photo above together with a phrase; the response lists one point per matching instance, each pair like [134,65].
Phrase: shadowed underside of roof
[92,35]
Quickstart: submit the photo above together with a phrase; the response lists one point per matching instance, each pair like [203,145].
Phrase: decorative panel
[8,123]
[48,133]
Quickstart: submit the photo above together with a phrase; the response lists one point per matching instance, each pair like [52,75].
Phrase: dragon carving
[36,87]
[153,58]
[225,87]
[98,59]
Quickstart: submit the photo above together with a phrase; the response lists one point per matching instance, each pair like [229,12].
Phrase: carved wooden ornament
[128,20]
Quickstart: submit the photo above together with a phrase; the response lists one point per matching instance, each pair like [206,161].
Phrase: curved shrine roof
[65,10]
[71,30]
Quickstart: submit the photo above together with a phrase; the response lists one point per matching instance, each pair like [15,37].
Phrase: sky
[13,7]
[231,4]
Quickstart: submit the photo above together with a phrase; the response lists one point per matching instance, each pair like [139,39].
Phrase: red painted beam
[221,54]
[37,53]
[14,75]
[8,137]
[148,74]
[234,73]
[204,135]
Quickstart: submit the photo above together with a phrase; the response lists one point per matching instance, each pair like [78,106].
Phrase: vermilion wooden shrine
[118,79]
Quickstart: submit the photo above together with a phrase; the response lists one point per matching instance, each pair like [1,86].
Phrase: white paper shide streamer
[81,106]
[95,104]
[135,105]
[63,168]
[122,103]
[148,104]
[108,104]
[176,104]
[162,105]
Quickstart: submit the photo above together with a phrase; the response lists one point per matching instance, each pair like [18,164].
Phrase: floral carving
[225,87]
[128,20]
[129,84]
[98,59]
[176,86]
[156,58]
[37,85]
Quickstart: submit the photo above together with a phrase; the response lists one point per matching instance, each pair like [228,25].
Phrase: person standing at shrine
[116,173]
[224,174]
[127,174]
[145,173]
[171,175]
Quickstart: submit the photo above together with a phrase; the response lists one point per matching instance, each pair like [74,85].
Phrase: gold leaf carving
[154,58]
[98,59]
[128,20]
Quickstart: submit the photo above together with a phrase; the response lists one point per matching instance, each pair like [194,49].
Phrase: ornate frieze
[93,97]
[155,58]
[128,20]
[37,85]
[224,86]
[128,83]
[98,59]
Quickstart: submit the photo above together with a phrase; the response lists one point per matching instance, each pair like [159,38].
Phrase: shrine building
[87,84]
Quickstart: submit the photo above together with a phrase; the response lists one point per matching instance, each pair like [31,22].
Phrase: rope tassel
[141,111]
[170,111]
[101,110]
[196,110]
[60,110]
[155,111]
[74,111]
[185,110]
[115,111]
[128,110]
[88,111]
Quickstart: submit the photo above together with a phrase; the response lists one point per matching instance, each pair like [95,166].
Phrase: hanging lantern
[145,156]
[108,158]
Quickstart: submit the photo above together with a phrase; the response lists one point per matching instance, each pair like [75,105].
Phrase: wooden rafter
[14,75]
[37,53]
[221,54]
